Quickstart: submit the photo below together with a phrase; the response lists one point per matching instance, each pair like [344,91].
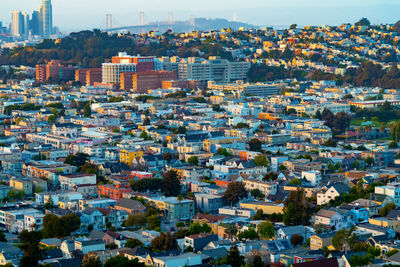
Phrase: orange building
[126,81]
[41,73]
[54,70]
[143,81]
[113,192]
[189,84]
[222,183]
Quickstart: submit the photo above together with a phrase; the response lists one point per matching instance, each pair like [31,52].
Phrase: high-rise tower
[16,23]
[47,15]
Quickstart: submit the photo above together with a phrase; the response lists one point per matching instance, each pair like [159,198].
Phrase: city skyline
[272,12]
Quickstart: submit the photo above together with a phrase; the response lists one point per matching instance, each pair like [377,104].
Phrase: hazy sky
[87,14]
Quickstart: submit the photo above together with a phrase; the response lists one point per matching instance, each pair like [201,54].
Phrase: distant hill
[203,24]
[217,24]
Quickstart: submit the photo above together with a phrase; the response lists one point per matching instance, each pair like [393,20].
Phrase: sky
[72,15]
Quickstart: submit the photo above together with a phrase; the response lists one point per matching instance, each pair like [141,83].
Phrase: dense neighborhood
[221,148]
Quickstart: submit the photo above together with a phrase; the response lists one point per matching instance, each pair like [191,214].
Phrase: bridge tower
[171,21]
[141,18]
[108,21]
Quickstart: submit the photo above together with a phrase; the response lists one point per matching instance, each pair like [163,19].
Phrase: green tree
[165,241]
[133,242]
[249,234]
[296,239]
[153,222]
[256,193]
[386,209]
[295,181]
[393,145]
[259,215]
[29,244]
[91,261]
[2,237]
[87,110]
[121,261]
[234,258]
[49,203]
[54,226]
[296,209]
[261,160]
[356,165]
[343,237]
[255,144]
[194,160]
[266,230]
[395,132]
[52,118]
[171,185]
[76,160]
[196,228]
[235,192]
[222,151]
[330,143]
[257,262]
[135,220]
[363,22]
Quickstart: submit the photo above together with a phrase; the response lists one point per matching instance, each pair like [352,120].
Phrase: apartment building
[213,69]
[267,188]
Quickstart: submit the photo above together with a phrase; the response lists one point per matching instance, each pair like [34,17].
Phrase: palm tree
[180,198]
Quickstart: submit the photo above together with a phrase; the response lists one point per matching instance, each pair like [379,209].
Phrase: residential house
[333,191]
[199,241]
[131,206]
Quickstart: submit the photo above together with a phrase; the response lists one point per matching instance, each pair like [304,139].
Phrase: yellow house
[385,222]
[266,207]
[127,156]
[319,241]
[25,185]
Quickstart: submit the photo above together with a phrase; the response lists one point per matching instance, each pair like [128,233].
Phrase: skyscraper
[35,23]
[25,23]
[17,28]
[47,15]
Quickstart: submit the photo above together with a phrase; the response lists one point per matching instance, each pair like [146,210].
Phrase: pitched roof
[131,204]
[341,188]
[331,262]
[326,213]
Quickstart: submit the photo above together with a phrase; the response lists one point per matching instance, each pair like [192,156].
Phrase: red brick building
[143,81]
[54,70]
[88,77]
[126,80]
[41,73]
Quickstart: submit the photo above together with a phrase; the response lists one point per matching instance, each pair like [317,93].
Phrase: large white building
[111,72]
[213,69]
[251,89]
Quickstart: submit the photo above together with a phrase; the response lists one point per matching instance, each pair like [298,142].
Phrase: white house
[335,217]
[69,181]
[335,190]
[314,177]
